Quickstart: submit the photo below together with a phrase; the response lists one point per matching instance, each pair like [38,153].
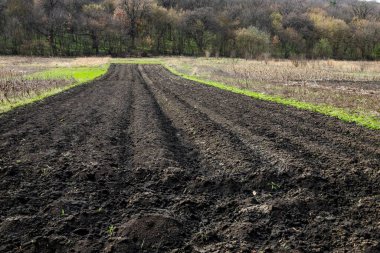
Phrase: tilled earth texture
[144,161]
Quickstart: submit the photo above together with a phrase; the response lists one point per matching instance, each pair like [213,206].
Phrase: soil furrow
[77,166]
[310,125]
[144,161]
[310,177]
[160,162]
[303,148]
[296,148]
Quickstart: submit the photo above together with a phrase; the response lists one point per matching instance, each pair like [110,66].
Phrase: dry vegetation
[351,85]
[13,86]
[16,84]
[27,65]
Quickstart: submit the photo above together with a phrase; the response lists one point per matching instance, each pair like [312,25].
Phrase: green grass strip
[342,114]
[79,76]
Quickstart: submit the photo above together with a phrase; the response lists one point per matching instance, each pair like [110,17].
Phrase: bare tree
[52,17]
[361,10]
[135,11]
[289,6]
[95,19]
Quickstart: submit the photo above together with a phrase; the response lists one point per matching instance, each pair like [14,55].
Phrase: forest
[312,29]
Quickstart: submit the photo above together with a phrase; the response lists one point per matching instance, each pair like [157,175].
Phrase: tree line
[340,29]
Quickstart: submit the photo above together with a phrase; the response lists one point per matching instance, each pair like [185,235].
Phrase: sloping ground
[143,161]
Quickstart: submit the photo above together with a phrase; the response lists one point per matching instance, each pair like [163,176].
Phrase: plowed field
[141,160]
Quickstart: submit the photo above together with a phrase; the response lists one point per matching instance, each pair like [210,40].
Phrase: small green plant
[62,212]
[111,230]
[274,186]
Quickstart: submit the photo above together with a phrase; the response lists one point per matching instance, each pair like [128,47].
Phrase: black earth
[141,160]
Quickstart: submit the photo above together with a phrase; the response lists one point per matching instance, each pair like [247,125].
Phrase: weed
[44,171]
[111,230]
[274,186]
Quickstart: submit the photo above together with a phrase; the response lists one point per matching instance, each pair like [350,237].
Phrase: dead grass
[15,86]
[13,90]
[27,65]
[16,83]
[351,85]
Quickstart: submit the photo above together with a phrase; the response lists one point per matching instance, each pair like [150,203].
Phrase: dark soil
[143,161]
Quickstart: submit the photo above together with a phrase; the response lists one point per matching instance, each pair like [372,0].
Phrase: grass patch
[76,75]
[79,75]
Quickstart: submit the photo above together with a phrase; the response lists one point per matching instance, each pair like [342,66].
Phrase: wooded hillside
[340,29]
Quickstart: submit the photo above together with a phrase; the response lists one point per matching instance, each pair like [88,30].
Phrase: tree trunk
[95,42]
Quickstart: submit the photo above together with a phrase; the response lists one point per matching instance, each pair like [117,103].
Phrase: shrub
[323,49]
[376,52]
[252,42]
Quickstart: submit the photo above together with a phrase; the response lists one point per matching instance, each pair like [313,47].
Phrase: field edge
[342,114]
[81,75]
